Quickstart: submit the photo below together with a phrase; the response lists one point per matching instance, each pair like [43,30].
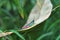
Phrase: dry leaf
[39,13]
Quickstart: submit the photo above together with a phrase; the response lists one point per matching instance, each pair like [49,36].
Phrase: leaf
[40,12]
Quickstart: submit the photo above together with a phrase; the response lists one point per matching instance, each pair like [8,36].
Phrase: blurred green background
[14,13]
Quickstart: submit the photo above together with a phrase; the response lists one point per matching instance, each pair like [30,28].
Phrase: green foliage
[14,31]
[14,13]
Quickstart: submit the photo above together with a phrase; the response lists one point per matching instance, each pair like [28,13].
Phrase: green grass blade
[58,38]
[58,21]
[44,35]
[20,36]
